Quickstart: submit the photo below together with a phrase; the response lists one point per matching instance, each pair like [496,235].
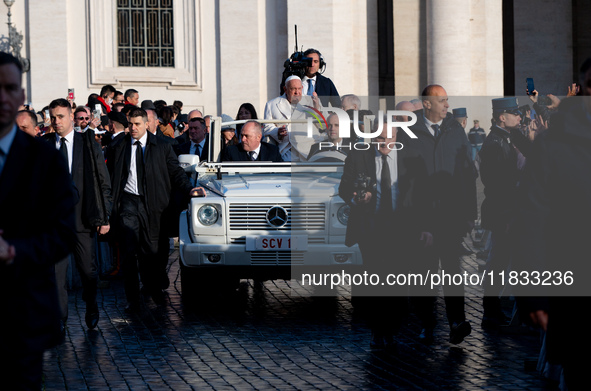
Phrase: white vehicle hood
[276,185]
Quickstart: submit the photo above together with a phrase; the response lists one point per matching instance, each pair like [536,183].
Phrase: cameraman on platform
[314,82]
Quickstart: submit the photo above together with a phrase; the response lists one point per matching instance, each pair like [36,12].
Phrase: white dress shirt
[429,123]
[194,147]
[69,146]
[132,186]
[305,84]
[256,153]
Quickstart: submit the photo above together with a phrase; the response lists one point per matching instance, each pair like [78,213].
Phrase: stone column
[448,45]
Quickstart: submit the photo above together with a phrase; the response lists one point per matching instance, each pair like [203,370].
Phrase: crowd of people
[109,167]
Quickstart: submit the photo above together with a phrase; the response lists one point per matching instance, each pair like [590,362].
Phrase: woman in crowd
[166,127]
[246,111]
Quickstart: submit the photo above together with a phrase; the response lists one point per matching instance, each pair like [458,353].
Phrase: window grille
[145,33]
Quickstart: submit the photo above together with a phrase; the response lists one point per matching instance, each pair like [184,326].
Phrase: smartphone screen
[530,85]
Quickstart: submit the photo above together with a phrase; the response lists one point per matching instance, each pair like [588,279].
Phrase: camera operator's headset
[322,64]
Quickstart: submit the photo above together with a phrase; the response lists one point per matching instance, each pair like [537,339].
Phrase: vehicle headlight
[208,215]
[343,214]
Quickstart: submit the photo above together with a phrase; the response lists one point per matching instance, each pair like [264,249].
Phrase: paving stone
[275,338]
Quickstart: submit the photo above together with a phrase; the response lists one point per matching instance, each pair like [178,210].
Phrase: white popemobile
[260,219]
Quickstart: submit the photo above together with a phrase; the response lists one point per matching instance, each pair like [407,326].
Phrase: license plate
[277,243]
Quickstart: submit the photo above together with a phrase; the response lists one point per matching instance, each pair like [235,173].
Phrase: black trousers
[383,252]
[139,247]
[85,259]
[446,252]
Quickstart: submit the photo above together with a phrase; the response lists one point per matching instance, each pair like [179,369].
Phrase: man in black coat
[389,221]
[198,143]
[500,175]
[552,234]
[443,143]
[91,180]
[144,169]
[34,235]
[251,148]
[314,82]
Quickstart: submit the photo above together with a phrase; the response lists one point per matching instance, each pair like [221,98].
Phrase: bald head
[194,114]
[435,102]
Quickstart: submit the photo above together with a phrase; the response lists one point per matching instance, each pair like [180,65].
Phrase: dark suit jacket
[412,212]
[37,215]
[185,149]
[451,170]
[91,180]
[162,174]
[183,138]
[327,92]
[236,153]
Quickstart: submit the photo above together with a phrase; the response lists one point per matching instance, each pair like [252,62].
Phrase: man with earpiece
[314,83]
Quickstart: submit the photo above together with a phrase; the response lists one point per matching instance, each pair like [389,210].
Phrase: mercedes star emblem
[277,216]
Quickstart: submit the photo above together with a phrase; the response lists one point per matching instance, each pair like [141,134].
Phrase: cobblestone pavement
[267,338]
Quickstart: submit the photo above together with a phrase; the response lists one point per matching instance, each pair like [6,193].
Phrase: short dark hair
[178,104]
[129,93]
[7,58]
[81,109]
[116,105]
[138,112]
[31,115]
[197,119]
[106,90]
[310,51]
[60,102]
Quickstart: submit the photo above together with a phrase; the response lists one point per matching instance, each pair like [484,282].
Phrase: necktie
[139,167]
[251,155]
[198,150]
[436,130]
[64,150]
[385,187]
[310,87]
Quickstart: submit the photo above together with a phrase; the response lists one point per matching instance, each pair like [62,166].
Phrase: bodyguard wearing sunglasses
[500,175]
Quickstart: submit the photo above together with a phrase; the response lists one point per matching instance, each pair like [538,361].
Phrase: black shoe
[495,322]
[389,343]
[459,331]
[92,316]
[427,336]
[164,281]
[158,296]
[63,329]
[377,341]
[132,307]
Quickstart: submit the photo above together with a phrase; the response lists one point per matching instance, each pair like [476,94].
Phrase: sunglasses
[84,118]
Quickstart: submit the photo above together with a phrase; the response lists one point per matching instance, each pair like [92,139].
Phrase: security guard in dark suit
[500,176]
